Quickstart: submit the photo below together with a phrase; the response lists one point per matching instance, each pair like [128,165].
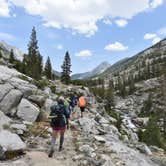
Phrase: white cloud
[149,35]
[156,3]
[59,47]
[4,8]
[84,53]
[121,22]
[117,46]
[81,16]
[6,36]
[156,40]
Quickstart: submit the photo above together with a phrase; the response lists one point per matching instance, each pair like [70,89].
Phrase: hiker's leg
[62,133]
[53,140]
[72,112]
[81,108]
[81,114]
[54,137]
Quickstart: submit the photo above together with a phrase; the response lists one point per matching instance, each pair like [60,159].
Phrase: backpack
[67,107]
[74,101]
[58,112]
[82,101]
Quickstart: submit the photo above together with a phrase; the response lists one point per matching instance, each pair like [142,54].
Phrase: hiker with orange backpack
[82,104]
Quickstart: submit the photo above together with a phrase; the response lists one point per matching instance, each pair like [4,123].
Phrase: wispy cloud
[121,22]
[4,8]
[117,46]
[59,47]
[156,40]
[156,37]
[150,35]
[84,53]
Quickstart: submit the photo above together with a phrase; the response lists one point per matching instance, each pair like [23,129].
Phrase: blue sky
[92,31]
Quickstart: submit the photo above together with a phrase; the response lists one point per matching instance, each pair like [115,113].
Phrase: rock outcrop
[27,111]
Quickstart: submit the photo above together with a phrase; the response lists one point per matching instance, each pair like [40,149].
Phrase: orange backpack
[82,101]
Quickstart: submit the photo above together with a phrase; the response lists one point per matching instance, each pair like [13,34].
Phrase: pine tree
[145,111]
[121,87]
[109,97]
[65,77]
[34,59]
[152,135]
[48,69]
[0,54]
[11,57]
[163,88]
[131,85]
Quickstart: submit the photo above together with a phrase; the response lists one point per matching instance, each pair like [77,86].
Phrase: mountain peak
[96,71]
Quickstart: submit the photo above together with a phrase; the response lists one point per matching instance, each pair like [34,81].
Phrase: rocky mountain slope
[152,55]
[98,70]
[6,49]
[94,140]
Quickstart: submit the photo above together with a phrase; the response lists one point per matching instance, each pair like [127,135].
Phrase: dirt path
[64,158]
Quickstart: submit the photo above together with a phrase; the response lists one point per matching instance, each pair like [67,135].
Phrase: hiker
[67,106]
[73,104]
[59,121]
[82,104]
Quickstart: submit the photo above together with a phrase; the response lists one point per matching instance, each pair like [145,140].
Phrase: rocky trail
[93,140]
[85,146]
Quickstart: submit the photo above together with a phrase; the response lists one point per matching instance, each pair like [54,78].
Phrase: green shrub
[41,117]
[6,127]
[152,134]
[53,88]
[41,83]
[23,77]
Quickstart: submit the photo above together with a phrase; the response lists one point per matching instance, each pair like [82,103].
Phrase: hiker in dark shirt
[73,104]
[59,121]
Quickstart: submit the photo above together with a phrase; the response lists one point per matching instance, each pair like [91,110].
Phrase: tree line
[32,64]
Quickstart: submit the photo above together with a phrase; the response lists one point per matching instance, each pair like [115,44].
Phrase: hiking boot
[60,148]
[51,153]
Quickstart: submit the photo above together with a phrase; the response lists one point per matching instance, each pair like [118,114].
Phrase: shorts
[82,109]
[59,128]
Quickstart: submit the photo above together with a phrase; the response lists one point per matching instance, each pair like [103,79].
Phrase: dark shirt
[61,115]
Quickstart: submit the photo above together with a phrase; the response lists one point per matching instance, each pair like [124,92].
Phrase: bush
[23,77]
[41,117]
[53,88]
[41,83]
[152,134]
[145,111]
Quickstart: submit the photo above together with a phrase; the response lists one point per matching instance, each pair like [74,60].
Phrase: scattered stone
[39,100]
[9,143]
[48,104]
[99,139]
[27,111]
[107,160]
[10,101]
[19,126]
[86,149]
[4,120]
[144,149]
[160,161]
[112,120]
[141,121]
[88,125]
[4,89]
[156,149]
[77,157]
